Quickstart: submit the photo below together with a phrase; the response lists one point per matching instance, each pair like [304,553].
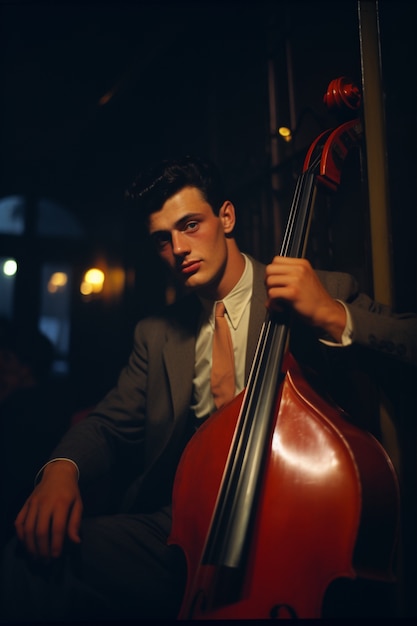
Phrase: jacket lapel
[179,353]
[257,313]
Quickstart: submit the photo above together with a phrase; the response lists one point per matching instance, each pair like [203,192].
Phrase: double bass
[279,494]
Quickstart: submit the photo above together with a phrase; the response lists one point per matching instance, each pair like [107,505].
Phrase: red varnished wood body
[328,509]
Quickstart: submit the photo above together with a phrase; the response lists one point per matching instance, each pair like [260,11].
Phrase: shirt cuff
[38,475]
[347,335]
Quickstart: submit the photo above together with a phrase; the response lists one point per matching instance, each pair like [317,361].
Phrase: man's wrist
[66,462]
[346,335]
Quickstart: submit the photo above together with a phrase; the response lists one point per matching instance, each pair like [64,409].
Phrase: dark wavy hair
[153,186]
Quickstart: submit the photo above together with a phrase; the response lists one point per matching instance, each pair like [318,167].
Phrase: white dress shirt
[237,305]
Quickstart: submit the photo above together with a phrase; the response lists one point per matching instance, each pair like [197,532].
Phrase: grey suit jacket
[137,432]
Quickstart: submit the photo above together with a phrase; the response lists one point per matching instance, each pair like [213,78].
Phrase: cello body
[328,509]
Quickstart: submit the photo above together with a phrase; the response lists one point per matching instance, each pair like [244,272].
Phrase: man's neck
[233,271]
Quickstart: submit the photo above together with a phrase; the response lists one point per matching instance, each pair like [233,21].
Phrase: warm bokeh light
[285,133]
[93,281]
[57,282]
[9,267]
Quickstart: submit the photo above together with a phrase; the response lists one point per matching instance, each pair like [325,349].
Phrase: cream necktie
[223,364]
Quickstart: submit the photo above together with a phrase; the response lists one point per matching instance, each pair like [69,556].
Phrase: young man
[117,564]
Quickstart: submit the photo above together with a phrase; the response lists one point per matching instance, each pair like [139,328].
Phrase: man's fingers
[74,522]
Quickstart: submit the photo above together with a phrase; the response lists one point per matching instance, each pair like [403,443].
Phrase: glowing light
[285,133]
[10,267]
[57,282]
[93,282]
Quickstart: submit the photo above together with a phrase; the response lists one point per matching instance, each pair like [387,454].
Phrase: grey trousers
[123,569]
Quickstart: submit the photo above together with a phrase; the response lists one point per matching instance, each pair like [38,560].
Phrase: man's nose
[180,245]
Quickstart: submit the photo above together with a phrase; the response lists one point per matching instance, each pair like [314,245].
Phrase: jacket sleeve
[115,428]
[375,326]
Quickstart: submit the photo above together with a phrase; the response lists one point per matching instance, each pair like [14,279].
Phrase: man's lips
[190,267]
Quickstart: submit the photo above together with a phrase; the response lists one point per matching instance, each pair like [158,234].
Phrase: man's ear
[228,216]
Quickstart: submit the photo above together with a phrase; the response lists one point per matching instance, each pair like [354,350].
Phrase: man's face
[191,239]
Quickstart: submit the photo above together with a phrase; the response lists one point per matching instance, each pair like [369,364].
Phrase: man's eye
[191,226]
[161,240]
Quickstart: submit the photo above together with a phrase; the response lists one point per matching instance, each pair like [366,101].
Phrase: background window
[55,306]
[12,215]
[8,270]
